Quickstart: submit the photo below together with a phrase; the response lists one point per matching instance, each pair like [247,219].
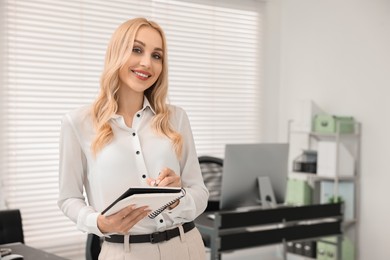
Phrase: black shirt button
[161,220]
[137,152]
[143,176]
[138,115]
[133,134]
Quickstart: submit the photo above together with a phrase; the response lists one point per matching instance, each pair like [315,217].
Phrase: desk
[231,230]
[30,253]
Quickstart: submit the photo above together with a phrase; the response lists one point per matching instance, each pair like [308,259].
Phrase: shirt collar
[145,105]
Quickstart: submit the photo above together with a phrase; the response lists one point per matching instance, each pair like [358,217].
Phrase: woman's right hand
[122,221]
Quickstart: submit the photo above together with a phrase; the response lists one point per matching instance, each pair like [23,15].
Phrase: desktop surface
[231,229]
[30,253]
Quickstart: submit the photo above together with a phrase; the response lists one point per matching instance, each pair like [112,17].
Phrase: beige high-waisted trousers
[187,246]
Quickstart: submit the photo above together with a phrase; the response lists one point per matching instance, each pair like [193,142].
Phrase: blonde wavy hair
[106,104]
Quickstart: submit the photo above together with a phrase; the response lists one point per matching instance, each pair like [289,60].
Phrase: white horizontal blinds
[47,76]
[3,74]
[213,56]
[54,52]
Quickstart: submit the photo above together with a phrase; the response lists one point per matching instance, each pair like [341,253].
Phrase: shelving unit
[345,186]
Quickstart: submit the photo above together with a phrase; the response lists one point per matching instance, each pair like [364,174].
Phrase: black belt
[152,238]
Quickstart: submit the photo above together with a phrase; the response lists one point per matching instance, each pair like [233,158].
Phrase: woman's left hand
[166,178]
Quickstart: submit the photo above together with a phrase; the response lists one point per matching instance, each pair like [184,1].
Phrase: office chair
[93,247]
[11,228]
[211,168]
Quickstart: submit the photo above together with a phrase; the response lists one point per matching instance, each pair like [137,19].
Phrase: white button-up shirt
[132,156]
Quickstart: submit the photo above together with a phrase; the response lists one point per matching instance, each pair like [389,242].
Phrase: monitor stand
[267,196]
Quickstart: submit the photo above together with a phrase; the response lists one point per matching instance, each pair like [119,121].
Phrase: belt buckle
[153,237]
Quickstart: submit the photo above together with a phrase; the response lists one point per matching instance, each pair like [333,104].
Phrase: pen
[156,182]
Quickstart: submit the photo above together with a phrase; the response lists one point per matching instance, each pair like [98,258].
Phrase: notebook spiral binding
[157,212]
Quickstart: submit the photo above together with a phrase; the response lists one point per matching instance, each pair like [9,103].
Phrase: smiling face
[144,65]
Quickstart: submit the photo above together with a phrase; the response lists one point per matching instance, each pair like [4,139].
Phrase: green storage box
[328,124]
[299,193]
[326,251]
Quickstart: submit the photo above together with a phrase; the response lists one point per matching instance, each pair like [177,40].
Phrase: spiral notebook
[156,198]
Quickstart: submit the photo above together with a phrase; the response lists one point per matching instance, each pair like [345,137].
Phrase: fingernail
[153,183]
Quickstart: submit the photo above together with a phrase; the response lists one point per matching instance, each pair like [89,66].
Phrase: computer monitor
[243,164]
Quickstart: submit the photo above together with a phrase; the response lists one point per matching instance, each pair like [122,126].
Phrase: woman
[130,137]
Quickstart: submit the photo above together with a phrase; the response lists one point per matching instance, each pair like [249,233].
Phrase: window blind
[52,57]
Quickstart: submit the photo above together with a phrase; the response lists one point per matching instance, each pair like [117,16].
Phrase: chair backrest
[212,168]
[11,228]
[93,247]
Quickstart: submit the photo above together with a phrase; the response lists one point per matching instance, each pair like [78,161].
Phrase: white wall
[337,53]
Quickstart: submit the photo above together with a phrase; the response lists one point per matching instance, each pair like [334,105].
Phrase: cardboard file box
[327,124]
[330,166]
[304,112]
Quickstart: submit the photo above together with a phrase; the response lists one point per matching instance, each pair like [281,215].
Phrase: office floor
[266,253]
[260,253]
